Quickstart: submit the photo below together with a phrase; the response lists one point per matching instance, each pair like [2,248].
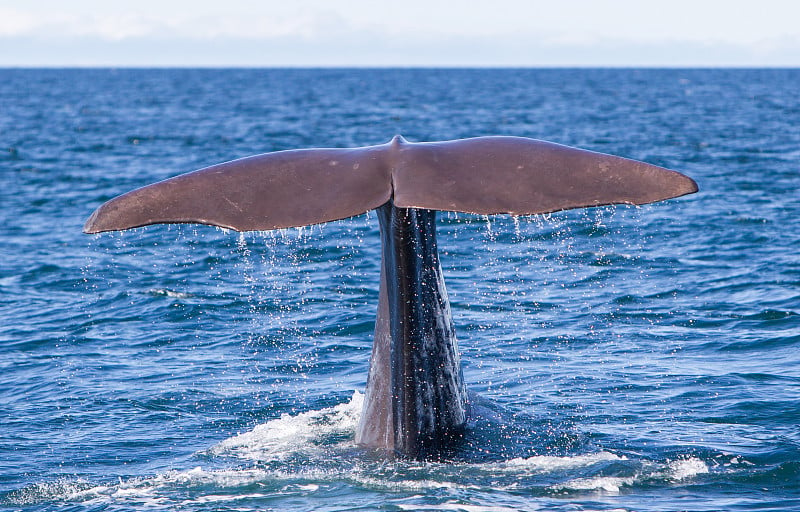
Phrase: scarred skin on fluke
[415,402]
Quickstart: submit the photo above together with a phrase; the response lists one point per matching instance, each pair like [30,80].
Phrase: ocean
[630,358]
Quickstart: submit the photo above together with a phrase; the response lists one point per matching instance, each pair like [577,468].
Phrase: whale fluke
[270,191]
[416,404]
[484,175]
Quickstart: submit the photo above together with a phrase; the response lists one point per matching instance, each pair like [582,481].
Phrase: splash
[312,456]
[289,435]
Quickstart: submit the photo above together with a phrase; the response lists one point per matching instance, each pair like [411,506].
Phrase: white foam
[282,437]
[46,491]
[548,464]
[157,490]
[677,470]
[683,469]
[407,485]
[459,506]
[609,484]
[227,478]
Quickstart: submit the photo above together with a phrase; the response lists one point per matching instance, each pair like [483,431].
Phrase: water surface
[627,358]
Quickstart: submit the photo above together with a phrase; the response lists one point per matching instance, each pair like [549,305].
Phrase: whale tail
[415,401]
[485,175]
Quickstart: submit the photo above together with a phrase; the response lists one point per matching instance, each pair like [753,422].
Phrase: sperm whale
[416,403]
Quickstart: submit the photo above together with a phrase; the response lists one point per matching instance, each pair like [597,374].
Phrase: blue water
[628,358]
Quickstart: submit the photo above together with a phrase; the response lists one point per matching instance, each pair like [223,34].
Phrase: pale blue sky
[400,33]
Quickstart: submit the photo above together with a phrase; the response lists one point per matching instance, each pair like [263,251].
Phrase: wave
[310,453]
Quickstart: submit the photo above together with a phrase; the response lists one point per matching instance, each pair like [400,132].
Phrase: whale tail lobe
[485,175]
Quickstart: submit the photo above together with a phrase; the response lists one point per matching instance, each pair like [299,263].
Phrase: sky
[311,33]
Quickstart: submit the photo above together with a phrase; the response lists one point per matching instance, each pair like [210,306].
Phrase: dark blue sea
[631,358]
